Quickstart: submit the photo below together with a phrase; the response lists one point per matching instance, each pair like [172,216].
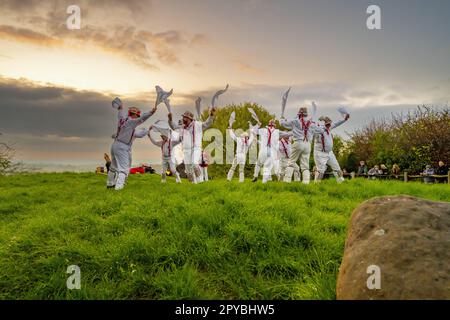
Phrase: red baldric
[193,132]
[323,139]
[132,136]
[270,136]
[305,127]
[162,148]
[284,148]
[119,128]
[121,123]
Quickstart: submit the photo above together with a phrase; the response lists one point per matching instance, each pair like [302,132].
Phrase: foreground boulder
[406,242]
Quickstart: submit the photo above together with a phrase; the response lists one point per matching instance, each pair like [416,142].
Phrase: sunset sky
[56,84]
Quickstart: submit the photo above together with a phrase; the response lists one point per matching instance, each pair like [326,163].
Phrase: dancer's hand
[213,111]
[170,116]
[347,116]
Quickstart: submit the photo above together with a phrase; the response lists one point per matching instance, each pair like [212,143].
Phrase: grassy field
[150,241]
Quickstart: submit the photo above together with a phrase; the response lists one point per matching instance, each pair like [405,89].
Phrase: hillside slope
[151,241]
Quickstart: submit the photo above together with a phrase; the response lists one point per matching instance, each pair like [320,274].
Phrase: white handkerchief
[343,111]
[232,119]
[161,95]
[117,103]
[198,106]
[216,96]
[254,116]
[283,101]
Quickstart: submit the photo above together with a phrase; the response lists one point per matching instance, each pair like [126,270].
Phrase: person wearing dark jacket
[441,170]
[362,169]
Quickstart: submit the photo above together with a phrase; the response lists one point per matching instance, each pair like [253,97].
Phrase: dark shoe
[254,179]
[110,187]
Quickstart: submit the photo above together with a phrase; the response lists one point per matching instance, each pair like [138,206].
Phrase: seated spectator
[362,169]
[441,170]
[383,169]
[429,171]
[372,173]
[395,170]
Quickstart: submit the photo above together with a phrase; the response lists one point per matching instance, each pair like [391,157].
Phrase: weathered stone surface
[408,239]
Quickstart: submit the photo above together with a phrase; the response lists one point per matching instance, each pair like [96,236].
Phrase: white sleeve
[174,126]
[337,124]
[285,123]
[122,114]
[141,133]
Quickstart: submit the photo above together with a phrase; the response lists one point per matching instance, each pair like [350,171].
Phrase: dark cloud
[26,6]
[63,122]
[48,110]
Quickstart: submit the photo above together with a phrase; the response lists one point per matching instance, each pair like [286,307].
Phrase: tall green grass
[216,240]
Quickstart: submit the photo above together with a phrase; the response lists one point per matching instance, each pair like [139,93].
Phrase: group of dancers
[278,151]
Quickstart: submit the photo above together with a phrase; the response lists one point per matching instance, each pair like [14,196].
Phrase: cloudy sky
[56,84]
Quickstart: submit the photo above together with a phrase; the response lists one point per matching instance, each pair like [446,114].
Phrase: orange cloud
[27,35]
[245,67]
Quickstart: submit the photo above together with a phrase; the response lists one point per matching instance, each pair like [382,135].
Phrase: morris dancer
[285,154]
[166,144]
[268,150]
[123,141]
[301,146]
[323,149]
[204,167]
[191,136]
[243,143]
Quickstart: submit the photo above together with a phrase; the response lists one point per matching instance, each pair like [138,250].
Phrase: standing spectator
[429,171]
[107,161]
[395,170]
[362,169]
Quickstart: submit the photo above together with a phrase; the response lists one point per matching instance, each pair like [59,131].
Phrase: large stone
[408,239]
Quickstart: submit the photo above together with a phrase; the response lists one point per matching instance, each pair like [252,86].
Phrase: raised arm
[286,134]
[141,133]
[340,122]
[172,125]
[156,143]
[144,117]
[210,119]
[255,129]
[121,114]
[286,123]
[233,135]
[176,142]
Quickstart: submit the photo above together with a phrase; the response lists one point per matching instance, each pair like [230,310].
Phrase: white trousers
[324,159]
[192,159]
[267,161]
[168,164]
[120,165]
[283,168]
[239,160]
[300,149]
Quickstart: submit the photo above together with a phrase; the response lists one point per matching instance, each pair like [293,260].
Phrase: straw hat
[188,115]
